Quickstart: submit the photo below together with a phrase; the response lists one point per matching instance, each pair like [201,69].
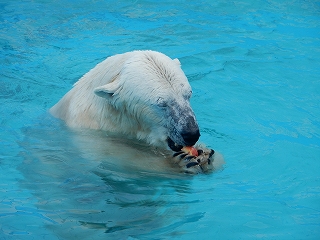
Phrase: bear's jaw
[173,146]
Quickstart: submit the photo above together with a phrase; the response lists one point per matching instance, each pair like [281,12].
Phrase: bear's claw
[191,164]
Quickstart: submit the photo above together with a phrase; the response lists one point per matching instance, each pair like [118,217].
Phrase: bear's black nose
[191,137]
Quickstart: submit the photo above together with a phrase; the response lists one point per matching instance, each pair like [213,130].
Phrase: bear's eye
[161,102]
[188,95]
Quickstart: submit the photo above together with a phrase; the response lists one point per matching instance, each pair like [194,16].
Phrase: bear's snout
[184,129]
[190,137]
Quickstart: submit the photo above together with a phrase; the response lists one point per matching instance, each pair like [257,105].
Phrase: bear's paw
[202,162]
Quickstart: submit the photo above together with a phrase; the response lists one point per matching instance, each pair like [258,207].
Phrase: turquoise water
[255,71]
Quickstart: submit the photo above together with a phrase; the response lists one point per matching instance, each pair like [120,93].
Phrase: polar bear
[142,95]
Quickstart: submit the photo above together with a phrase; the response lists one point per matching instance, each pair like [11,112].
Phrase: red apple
[190,150]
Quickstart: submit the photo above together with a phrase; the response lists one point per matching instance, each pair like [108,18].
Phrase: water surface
[254,69]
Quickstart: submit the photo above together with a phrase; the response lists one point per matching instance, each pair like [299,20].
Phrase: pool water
[254,67]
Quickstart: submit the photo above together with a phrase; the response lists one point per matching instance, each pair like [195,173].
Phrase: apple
[190,150]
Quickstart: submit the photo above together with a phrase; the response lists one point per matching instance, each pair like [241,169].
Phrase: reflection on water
[85,181]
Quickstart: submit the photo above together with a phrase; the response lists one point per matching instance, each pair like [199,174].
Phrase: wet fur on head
[140,94]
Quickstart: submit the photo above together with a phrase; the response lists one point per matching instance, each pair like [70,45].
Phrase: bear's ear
[176,60]
[108,90]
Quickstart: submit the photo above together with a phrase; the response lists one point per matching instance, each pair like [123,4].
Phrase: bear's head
[150,98]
